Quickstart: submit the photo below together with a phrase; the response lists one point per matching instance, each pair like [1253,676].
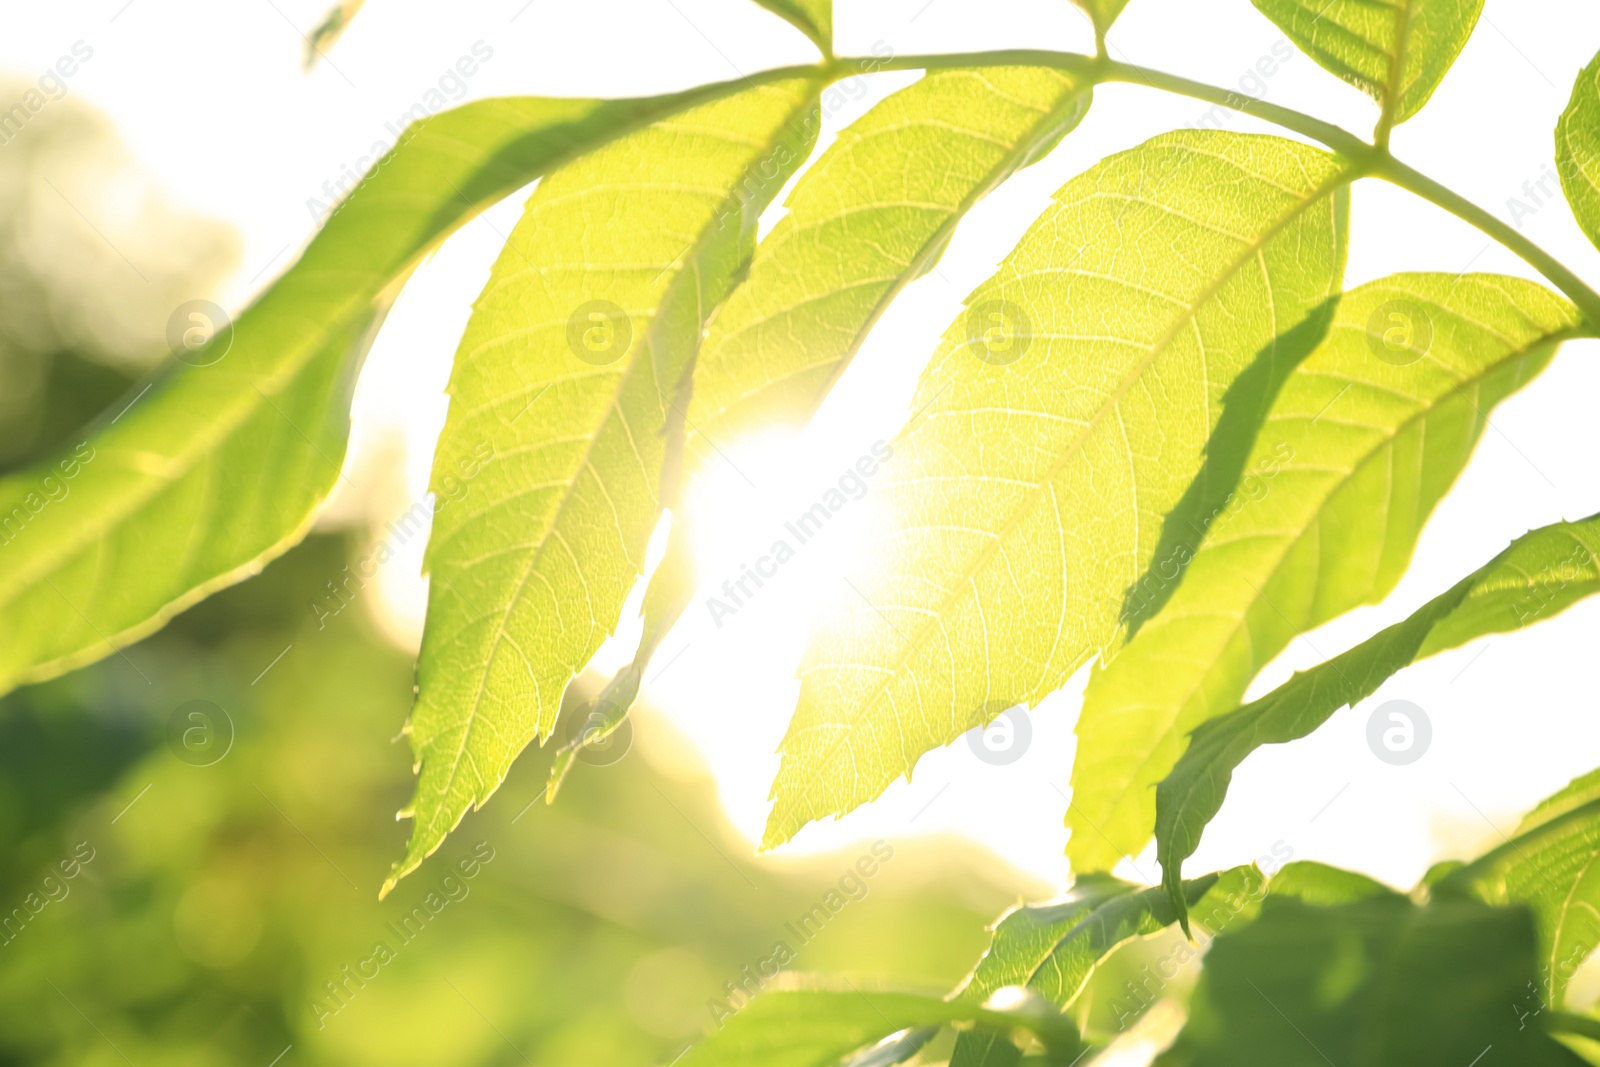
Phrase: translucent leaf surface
[218,467]
[814,18]
[1067,410]
[1553,866]
[819,1027]
[1542,573]
[562,401]
[1361,443]
[1102,12]
[1396,51]
[1578,150]
[871,215]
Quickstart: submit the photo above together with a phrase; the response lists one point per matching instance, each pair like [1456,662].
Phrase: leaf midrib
[286,371]
[1240,617]
[1341,178]
[647,344]
[1402,47]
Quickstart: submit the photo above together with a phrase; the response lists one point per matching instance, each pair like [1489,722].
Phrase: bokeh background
[192,154]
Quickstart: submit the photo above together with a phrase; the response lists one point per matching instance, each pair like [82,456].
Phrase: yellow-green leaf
[1066,411]
[1396,51]
[1538,576]
[1102,12]
[1363,440]
[860,225]
[870,216]
[1578,150]
[814,18]
[1553,866]
[562,402]
[217,466]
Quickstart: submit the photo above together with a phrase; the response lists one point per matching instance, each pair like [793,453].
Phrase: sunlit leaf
[1396,51]
[218,467]
[562,402]
[1379,982]
[1066,411]
[1318,883]
[870,216]
[1578,150]
[1360,445]
[1553,866]
[814,18]
[1542,573]
[859,226]
[1102,12]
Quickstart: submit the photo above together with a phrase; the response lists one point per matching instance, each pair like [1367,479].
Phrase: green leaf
[860,225]
[1066,968]
[819,1027]
[1551,866]
[1356,432]
[1578,793]
[1540,574]
[1102,12]
[217,469]
[562,403]
[1025,937]
[1578,150]
[1380,982]
[1396,51]
[869,217]
[1054,948]
[1068,406]
[1318,883]
[814,18]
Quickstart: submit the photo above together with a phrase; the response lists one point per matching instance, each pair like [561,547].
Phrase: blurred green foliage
[217,902]
[221,898]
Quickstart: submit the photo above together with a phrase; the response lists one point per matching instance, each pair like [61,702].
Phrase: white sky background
[211,98]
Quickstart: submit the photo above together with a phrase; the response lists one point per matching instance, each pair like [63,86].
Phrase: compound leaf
[1540,574]
[870,216]
[1578,150]
[1102,12]
[1360,444]
[1396,51]
[1066,409]
[218,466]
[562,403]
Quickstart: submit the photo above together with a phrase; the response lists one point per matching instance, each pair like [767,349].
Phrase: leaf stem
[1397,173]
[1369,159]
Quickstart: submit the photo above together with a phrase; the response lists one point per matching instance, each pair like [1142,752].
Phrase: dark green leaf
[1378,421]
[1377,983]
[1578,150]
